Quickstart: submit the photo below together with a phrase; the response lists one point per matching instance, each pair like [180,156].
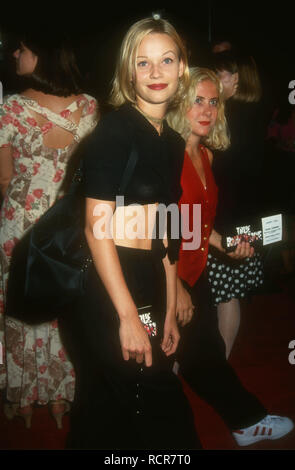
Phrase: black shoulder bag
[49,264]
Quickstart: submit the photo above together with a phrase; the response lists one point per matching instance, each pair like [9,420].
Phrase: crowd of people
[199,135]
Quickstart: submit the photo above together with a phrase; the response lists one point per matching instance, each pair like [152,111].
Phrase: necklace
[158,121]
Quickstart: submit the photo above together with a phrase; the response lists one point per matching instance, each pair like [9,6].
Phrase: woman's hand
[133,337]
[171,334]
[184,306]
[243,250]
[134,341]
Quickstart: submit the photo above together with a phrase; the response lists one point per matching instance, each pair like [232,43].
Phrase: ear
[35,61]
[235,77]
[181,68]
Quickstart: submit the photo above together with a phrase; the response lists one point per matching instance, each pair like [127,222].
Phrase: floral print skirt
[35,366]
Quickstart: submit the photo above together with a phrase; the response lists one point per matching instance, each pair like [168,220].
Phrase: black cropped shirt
[156,177]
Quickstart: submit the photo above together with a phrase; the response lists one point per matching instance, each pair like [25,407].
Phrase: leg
[204,366]
[121,404]
[163,408]
[229,322]
[58,409]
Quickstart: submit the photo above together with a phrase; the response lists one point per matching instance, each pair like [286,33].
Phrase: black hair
[56,72]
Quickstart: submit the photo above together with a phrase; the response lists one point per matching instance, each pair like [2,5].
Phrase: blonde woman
[127,396]
[201,354]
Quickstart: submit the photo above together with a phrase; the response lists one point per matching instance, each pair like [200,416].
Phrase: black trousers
[121,404]
[203,364]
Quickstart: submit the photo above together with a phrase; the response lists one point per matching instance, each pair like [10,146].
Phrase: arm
[243,250]
[8,131]
[133,337]
[171,333]
[6,168]
[185,307]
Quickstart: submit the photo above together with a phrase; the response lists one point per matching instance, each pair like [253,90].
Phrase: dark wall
[264,29]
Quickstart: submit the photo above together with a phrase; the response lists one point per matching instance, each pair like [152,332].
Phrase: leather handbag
[49,264]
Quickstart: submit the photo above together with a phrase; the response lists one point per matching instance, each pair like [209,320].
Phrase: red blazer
[192,262]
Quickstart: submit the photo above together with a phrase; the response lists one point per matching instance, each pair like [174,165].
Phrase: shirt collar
[141,122]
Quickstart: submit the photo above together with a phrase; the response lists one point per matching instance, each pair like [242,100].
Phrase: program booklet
[264,231]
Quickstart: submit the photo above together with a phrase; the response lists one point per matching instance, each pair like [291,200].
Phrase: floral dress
[35,365]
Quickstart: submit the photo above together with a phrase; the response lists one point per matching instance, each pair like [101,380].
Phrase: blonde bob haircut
[122,86]
[218,137]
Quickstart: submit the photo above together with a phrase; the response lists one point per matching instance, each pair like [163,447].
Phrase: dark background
[265,29]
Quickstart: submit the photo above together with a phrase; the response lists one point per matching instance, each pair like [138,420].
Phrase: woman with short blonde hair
[124,330]
[218,137]
[202,354]
[123,82]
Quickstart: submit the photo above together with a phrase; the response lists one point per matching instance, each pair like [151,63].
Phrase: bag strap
[127,174]
[129,169]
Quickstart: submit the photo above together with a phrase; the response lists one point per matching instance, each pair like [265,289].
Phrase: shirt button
[206,226]
[202,249]
[205,238]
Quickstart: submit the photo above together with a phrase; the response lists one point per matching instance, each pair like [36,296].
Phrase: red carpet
[260,357]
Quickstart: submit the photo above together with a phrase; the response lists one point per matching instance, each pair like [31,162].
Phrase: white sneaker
[271,427]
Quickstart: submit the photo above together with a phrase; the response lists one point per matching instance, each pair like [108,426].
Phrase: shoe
[11,410]
[271,427]
[58,409]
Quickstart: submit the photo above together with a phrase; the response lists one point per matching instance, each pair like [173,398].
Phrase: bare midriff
[133,225]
